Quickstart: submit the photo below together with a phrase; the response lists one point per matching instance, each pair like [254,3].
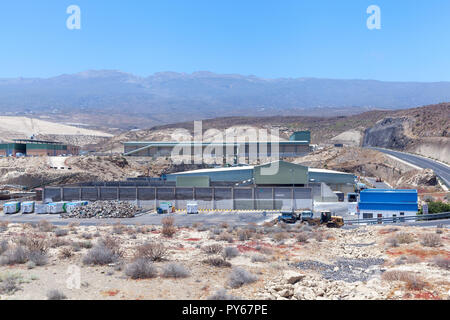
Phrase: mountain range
[126,101]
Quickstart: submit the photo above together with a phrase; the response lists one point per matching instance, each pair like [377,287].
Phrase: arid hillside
[422,130]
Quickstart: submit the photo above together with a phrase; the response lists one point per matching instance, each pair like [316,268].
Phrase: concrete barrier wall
[223,198]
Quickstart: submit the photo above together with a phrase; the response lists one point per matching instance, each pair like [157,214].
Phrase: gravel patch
[348,270]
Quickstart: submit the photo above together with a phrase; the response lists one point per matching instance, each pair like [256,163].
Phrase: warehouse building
[380,203]
[12,149]
[278,173]
[298,145]
[33,148]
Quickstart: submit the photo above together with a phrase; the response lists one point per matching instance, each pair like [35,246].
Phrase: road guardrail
[421,217]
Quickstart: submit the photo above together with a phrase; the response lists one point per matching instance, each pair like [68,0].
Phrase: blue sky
[271,39]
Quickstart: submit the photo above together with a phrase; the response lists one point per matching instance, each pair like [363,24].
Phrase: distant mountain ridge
[201,95]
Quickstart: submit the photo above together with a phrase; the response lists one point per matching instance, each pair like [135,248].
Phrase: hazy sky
[284,38]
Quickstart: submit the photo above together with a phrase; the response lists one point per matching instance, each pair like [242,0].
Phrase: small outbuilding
[391,203]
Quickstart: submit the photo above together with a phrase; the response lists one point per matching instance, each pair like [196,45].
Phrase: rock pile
[314,287]
[104,209]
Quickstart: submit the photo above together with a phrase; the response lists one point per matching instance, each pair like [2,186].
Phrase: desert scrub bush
[61,232]
[407,260]
[118,228]
[9,285]
[212,248]
[431,240]
[65,253]
[259,258]
[175,270]
[152,251]
[168,229]
[280,236]
[55,294]
[14,255]
[100,255]
[303,237]
[217,262]
[230,252]
[4,226]
[392,242]
[412,281]
[224,225]
[225,236]
[45,226]
[87,236]
[442,262]
[244,234]
[109,242]
[59,242]
[141,269]
[405,237]
[222,294]
[3,246]
[239,277]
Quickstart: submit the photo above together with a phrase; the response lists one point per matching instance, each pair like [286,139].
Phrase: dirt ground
[285,262]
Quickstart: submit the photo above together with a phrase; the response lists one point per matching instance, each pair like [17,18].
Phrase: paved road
[377,185]
[181,219]
[441,170]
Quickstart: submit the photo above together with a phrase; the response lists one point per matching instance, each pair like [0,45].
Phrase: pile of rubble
[104,209]
[299,286]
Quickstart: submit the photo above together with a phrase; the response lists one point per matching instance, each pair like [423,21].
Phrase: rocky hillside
[424,131]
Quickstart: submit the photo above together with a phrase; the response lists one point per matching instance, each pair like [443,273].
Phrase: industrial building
[380,203]
[283,174]
[298,145]
[32,147]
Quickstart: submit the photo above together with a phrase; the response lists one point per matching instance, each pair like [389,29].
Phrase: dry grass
[412,281]
[404,237]
[442,262]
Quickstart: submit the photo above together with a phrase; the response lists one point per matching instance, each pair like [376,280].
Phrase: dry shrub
[392,242]
[141,269]
[410,259]
[212,249]
[259,258]
[168,229]
[3,246]
[45,226]
[225,236]
[3,226]
[224,225]
[280,236]
[217,262]
[174,270]
[65,253]
[412,281]
[303,237]
[100,255]
[118,228]
[244,234]
[230,252]
[404,237]
[240,277]
[9,284]
[431,240]
[56,295]
[152,251]
[442,262]
[222,295]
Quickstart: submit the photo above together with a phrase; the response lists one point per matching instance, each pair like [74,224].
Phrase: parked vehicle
[288,217]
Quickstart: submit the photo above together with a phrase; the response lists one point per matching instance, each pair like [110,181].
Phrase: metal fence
[422,217]
[231,198]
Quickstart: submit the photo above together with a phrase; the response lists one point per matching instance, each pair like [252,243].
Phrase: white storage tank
[192,208]
[11,207]
[27,207]
[56,207]
[40,208]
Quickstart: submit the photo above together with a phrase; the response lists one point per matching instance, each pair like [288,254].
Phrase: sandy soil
[272,254]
